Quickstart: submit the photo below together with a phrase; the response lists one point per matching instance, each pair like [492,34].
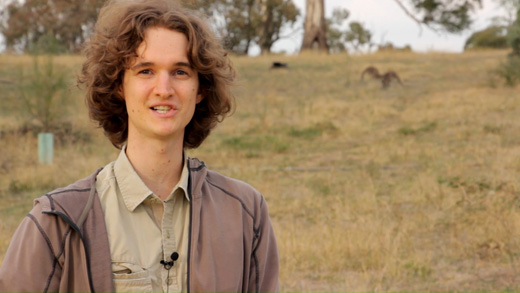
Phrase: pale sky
[388,23]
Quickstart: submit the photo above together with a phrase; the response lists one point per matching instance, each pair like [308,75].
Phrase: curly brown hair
[119,31]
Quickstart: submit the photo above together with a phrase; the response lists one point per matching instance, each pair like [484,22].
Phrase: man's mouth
[161,109]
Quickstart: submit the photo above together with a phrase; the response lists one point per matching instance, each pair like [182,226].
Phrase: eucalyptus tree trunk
[315,34]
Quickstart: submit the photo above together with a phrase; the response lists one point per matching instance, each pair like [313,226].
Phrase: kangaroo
[372,71]
[386,78]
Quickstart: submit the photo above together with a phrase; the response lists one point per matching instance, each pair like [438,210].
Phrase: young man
[157,81]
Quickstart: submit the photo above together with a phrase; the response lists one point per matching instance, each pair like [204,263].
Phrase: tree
[358,36]
[511,8]
[354,37]
[494,36]
[440,15]
[335,31]
[274,15]
[241,23]
[451,16]
[513,32]
[233,20]
[70,22]
[315,27]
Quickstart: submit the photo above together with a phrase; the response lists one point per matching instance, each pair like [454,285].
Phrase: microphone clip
[169,264]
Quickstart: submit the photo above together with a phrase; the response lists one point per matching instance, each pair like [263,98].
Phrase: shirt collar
[183,181]
[132,188]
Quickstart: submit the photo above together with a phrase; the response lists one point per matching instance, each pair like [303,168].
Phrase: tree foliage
[514,34]
[335,30]
[275,14]
[242,23]
[494,37]
[440,15]
[354,37]
[358,36]
[70,22]
[42,93]
[451,16]
[510,7]
[66,24]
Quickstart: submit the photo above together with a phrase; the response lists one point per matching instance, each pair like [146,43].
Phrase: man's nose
[163,85]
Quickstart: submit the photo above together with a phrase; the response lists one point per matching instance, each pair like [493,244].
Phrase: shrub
[509,70]
[42,94]
[494,37]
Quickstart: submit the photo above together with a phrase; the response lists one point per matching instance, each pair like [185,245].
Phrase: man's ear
[200,97]
[120,92]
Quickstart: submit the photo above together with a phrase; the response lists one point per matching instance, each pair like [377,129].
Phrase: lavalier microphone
[169,264]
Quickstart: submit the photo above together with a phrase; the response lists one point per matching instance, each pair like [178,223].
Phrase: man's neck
[159,164]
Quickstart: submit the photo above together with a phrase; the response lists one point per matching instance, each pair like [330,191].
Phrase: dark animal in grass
[279,65]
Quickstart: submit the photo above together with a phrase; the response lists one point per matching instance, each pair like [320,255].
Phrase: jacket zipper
[190,228]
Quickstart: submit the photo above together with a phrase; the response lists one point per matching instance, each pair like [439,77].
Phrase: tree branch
[419,23]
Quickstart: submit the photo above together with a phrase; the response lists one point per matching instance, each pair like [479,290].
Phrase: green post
[45,148]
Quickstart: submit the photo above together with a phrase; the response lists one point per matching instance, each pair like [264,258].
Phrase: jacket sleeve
[29,263]
[265,261]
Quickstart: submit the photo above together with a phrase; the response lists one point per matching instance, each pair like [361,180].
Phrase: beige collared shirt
[143,229]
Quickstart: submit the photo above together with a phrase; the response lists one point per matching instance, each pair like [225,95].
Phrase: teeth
[162,109]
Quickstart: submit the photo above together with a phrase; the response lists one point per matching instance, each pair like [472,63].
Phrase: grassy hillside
[412,188]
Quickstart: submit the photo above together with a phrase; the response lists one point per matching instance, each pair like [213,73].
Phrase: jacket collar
[198,172]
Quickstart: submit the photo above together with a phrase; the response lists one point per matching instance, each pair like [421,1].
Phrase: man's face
[160,88]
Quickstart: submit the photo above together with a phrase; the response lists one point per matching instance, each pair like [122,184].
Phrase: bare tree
[315,27]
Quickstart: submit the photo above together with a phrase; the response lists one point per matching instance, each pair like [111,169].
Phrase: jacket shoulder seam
[233,196]
[51,194]
[51,248]
[44,235]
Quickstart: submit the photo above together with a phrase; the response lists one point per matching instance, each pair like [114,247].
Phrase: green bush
[513,35]
[494,37]
[42,94]
[47,44]
[509,70]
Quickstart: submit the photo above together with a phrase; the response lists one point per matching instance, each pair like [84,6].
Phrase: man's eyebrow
[185,64]
[141,65]
[147,64]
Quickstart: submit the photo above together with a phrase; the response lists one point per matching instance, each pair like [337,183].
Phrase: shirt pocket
[129,277]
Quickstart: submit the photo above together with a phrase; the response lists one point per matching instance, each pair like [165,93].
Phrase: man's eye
[145,71]
[180,72]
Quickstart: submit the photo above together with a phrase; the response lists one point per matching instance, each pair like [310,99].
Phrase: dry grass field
[412,188]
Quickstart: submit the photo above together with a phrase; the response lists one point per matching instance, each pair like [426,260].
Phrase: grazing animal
[372,71]
[386,78]
[278,65]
